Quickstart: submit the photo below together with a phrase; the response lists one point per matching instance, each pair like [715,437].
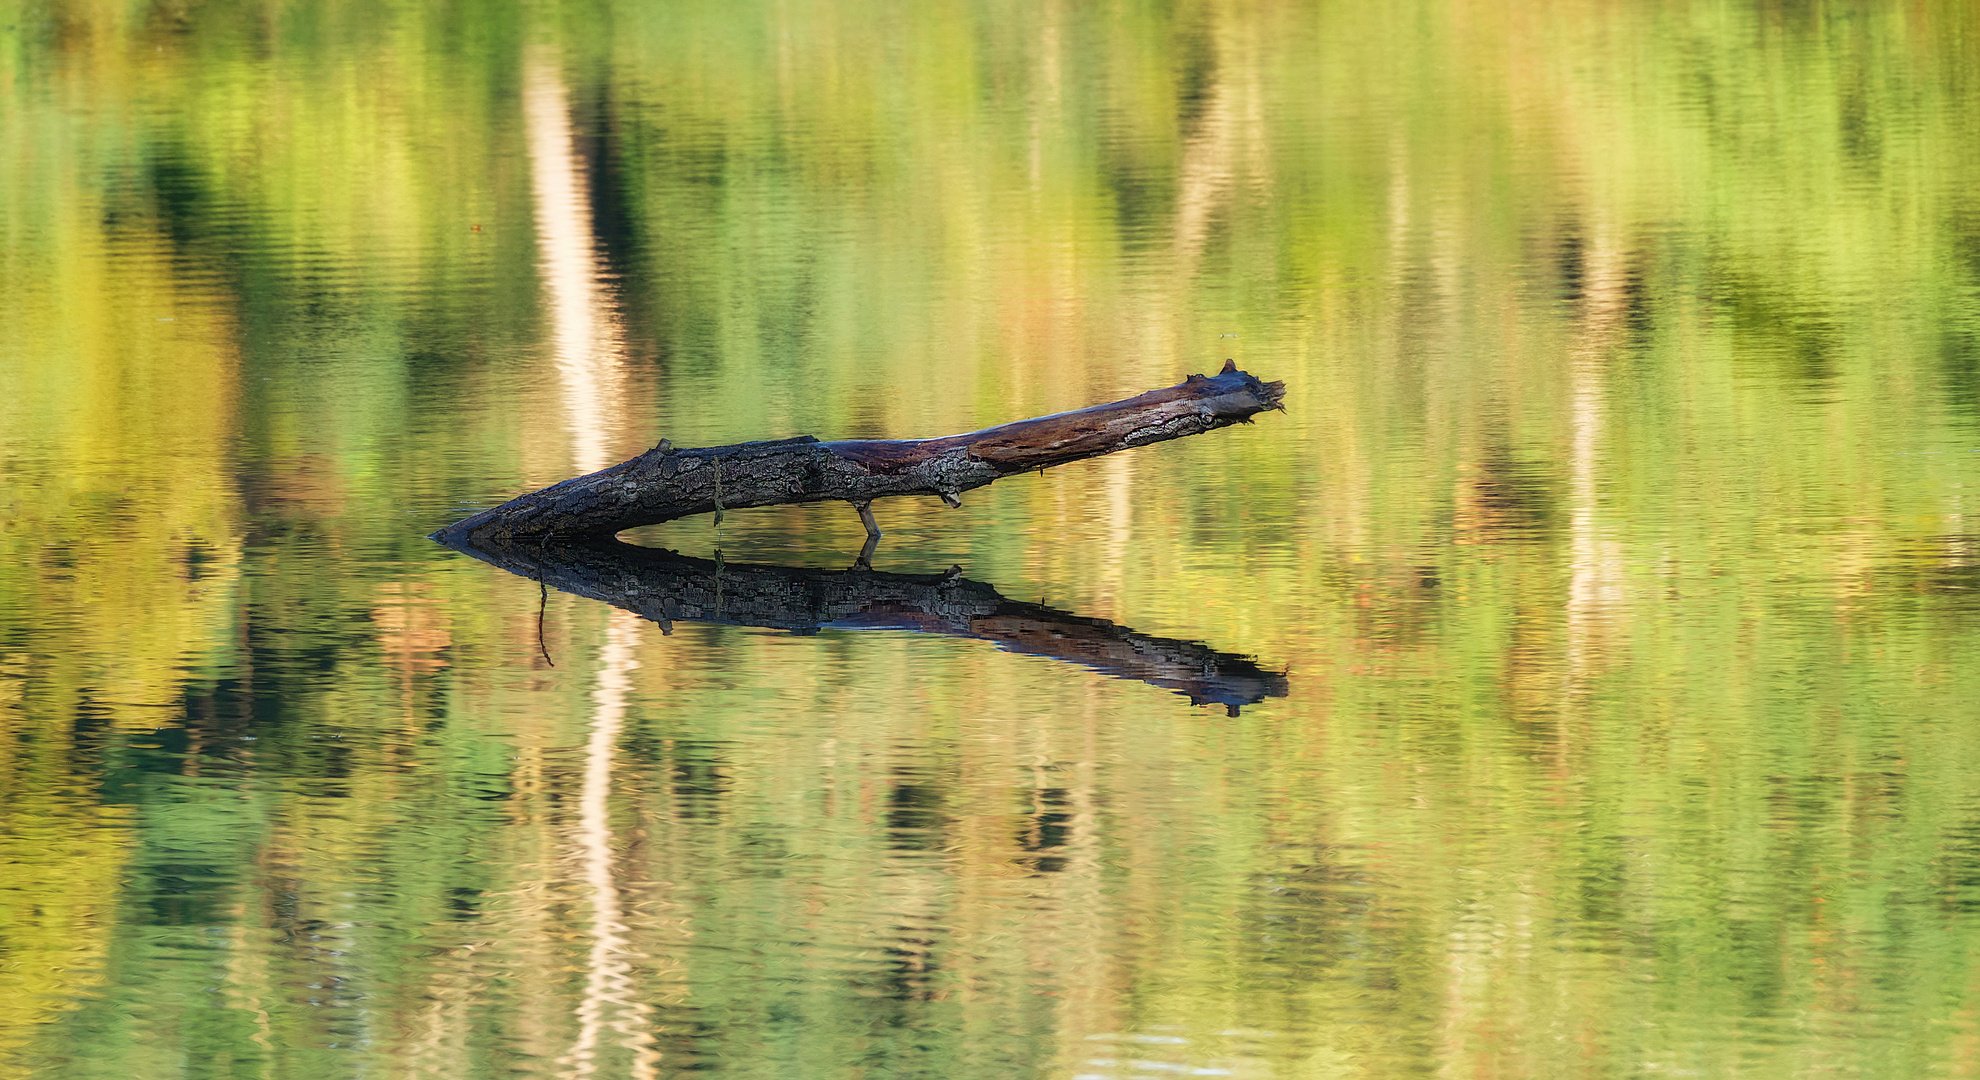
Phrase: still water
[1580,679]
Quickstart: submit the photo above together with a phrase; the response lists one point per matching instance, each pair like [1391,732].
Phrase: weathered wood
[666,483]
[666,588]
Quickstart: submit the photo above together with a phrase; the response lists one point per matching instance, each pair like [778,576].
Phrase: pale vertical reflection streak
[610,996]
[1224,154]
[1594,564]
[1206,174]
[587,347]
[1229,142]
[1118,479]
[586,341]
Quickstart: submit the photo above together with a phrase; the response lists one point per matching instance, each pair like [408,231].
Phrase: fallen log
[666,588]
[667,483]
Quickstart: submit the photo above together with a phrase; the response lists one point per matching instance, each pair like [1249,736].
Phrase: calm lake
[1581,677]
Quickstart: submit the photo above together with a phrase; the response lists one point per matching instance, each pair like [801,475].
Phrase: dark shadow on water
[666,588]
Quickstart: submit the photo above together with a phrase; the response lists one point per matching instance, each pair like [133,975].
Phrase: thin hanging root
[865,560]
[866,518]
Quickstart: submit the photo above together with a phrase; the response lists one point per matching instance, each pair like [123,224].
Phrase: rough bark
[667,588]
[666,483]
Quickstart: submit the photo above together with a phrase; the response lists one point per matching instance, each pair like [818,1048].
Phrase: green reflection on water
[1616,540]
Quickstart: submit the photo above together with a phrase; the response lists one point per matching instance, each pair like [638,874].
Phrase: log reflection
[666,587]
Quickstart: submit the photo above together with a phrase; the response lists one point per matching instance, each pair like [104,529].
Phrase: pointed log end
[1229,366]
[1271,395]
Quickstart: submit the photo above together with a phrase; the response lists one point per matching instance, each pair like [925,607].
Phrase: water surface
[1610,589]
